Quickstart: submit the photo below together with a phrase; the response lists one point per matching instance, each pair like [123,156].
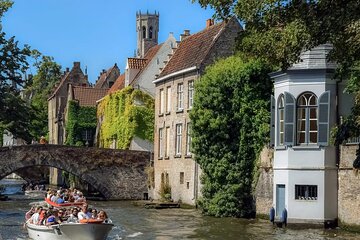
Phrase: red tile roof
[87,96]
[136,63]
[150,54]
[193,50]
[118,85]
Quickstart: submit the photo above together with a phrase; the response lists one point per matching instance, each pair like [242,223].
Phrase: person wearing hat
[42,140]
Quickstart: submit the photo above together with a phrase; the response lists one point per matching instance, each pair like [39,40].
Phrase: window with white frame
[307,119]
[178,139]
[168,99]
[161,105]
[281,112]
[306,192]
[190,94]
[188,139]
[167,139]
[180,96]
[161,143]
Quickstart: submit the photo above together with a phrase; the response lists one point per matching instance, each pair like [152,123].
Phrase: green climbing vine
[79,119]
[123,115]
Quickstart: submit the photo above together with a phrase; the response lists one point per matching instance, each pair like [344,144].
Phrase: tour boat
[69,231]
[61,205]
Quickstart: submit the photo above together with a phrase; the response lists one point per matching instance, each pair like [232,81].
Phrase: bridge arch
[116,174]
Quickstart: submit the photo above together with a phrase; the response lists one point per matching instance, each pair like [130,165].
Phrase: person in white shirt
[36,216]
[83,213]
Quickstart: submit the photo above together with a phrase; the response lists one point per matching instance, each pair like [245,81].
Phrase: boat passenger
[103,216]
[43,216]
[53,218]
[35,217]
[62,215]
[83,213]
[73,216]
[94,214]
[29,213]
[60,200]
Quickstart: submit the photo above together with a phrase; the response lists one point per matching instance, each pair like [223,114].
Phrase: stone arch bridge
[116,174]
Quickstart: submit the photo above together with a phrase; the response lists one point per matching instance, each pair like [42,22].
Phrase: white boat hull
[87,231]
[70,231]
[37,232]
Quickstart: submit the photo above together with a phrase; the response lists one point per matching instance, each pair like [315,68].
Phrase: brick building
[173,160]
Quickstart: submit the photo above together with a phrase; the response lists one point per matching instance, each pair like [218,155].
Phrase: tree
[14,113]
[229,129]
[39,89]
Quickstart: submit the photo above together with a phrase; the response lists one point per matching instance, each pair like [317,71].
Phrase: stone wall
[264,186]
[116,174]
[349,187]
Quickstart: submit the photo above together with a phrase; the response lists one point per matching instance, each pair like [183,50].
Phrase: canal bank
[136,222]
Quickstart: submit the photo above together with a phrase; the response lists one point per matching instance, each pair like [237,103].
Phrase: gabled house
[139,74]
[174,164]
[82,104]
[108,77]
[307,103]
[58,100]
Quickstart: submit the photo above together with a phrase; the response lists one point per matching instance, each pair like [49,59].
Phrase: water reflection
[133,222]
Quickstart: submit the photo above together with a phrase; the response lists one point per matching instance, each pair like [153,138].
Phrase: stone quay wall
[264,187]
[348,187]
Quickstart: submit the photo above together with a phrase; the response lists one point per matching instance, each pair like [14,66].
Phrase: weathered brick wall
[349,187]
[264,187]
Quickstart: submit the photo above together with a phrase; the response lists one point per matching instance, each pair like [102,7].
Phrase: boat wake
[135,234]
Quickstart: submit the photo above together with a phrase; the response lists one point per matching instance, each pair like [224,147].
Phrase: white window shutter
[272,121]
[290,120]
[324,116]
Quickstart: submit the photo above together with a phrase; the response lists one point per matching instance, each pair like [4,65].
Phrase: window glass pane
[313,125]
[301,125]
[312,100]
[313,137]
[313,113]
[301,137]
[302,101]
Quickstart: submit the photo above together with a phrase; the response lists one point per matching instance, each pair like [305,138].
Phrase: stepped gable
[103,77]
[193,49]
[150,54]
[62,81]
[118,85]
[87,96]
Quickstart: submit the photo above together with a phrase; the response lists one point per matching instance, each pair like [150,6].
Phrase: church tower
[147,29]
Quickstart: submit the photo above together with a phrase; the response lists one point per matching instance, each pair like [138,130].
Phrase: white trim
[174,74]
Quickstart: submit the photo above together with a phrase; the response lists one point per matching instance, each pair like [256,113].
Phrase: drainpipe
[337,147]
[196,165]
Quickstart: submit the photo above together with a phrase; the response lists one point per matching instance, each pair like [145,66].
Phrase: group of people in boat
[42,216]
[70,195]
[73,214]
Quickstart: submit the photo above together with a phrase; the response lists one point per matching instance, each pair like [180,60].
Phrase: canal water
[133,222]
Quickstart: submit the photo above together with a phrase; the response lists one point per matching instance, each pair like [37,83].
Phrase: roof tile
[87,96]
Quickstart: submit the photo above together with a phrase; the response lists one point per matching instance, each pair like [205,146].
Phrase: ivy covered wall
[123,115]
[79,119]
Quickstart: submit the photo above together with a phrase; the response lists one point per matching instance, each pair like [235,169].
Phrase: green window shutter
[272,122]
[324,116]
[290,113]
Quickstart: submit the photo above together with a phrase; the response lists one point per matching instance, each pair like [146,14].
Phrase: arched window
[144,32]
[281,118]
[307,119]
[150,32]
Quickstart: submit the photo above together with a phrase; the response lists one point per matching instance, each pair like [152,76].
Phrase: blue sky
[97,33]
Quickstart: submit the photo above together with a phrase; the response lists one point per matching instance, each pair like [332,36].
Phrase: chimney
[76,64]
[209,23]
[184,35]
[67,69]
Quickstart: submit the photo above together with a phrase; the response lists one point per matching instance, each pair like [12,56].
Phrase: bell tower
[147,29]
